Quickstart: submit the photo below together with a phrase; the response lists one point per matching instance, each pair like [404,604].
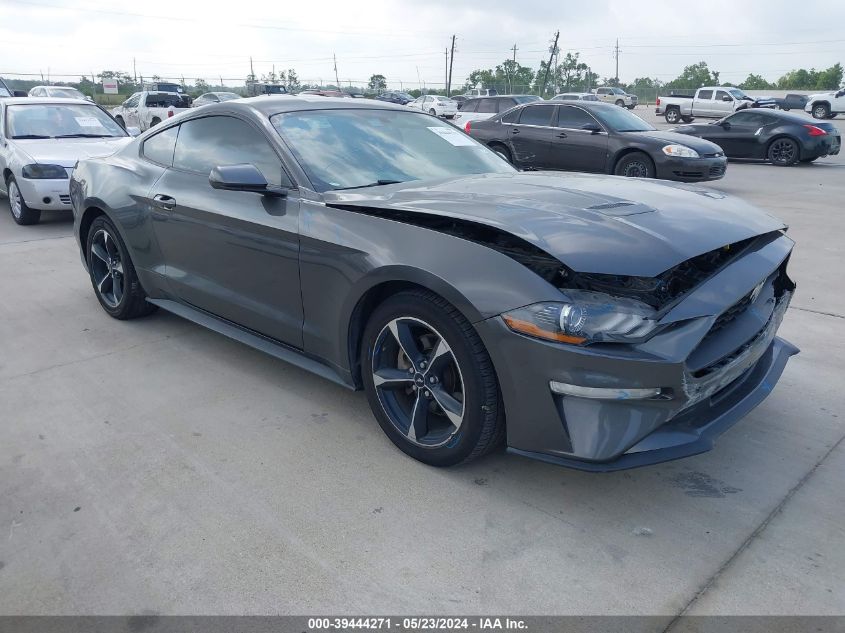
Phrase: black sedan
[395,96]
[596,137]
[590,321]
[780,138]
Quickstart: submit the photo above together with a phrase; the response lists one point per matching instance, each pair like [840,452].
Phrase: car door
[723,103]
[529,136]
[234,254]
[130,111]
[573,148]
[702,104]
[737,134]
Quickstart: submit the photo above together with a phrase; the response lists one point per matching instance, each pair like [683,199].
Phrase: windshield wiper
[26,136]
[86,136]
[377,183]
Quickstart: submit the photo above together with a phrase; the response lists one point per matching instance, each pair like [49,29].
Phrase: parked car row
[593,322]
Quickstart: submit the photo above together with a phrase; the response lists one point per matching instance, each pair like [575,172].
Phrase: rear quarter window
[159,147]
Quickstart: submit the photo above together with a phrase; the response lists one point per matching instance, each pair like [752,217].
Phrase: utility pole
[446,76]
[337,81]
[251,69]
[616,55]
[552,52]
[451,61]
[134,72]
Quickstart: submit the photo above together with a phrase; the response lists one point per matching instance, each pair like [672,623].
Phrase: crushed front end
[711,354]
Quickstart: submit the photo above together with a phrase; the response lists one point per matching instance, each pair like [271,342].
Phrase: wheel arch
[382,287]
[626,151]
[782,135]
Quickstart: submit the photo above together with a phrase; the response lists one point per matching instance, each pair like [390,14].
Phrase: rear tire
[783,152]
[433,112]
[635,165]
[21,213]
[502,151]
[821,111]
[112,274]
[672,115]
[438,398]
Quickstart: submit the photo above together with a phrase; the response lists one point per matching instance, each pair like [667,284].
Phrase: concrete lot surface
[153,467]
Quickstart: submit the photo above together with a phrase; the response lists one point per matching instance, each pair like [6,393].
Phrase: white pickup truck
[146,109]
[710,102]
[826,105]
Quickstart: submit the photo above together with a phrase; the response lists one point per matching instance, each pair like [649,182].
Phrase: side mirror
[726,98]
[591,127]
[21,93]
[243,177]
[726,125]
[841,93]
[133,131]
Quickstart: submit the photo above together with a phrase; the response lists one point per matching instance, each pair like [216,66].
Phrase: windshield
[60,121]
[344,149]
[620,120]
[618,91]
[227,96]
[739,94]
[68,93]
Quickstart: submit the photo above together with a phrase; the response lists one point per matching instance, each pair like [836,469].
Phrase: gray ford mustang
[590,321]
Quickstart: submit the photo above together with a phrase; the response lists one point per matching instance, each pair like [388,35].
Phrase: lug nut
[433,380]
[422,365]
[427,393]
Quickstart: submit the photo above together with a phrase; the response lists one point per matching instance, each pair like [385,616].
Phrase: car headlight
[680,151]
[588,317]
[43,171]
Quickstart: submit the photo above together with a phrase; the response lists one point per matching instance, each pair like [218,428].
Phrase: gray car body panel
[346,245]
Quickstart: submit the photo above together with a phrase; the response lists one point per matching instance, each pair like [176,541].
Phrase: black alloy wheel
[429,380]
[784,152]
[635,165]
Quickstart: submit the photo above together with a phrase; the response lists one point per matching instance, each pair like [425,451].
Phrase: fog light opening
[603,393]
[47,200]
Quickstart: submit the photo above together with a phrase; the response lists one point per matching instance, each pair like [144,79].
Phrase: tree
[516,77]
[120,76]
[569,74]
[377,83]
[201,86]
[830,79]
[479,78]
[292,81]
[756,82]
[695,76]
[802,79]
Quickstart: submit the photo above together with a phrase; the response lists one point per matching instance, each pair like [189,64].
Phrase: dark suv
[481,108]
[395,96]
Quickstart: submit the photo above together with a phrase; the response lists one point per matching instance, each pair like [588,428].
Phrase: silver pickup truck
[710,102]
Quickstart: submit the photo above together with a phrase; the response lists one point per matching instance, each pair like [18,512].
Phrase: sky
[406,40]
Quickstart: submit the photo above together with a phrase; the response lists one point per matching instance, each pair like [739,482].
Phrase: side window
[705,94]
[572,118]
[536,115]
[511,116]
[470,106]
[132,101]
[488,106]
[222,140]
[159,147]
[721,94]
[506,104]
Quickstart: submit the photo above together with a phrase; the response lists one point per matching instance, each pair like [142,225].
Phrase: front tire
[821,111]
[429,380]
[635,165]
[672,115]
[113,276]
[155,121]
[783,152]
[21,213]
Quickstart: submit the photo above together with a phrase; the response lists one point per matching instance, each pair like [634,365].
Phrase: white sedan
[61,92]
[40,143]
[435,105]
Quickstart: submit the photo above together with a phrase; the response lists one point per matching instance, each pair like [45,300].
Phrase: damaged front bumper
[676,393]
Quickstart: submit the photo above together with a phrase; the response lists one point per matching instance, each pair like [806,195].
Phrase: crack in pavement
[36,239]
[831,314]
[751,537]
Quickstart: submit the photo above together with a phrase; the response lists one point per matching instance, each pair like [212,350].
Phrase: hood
[596,224]
[66,151]
[699,145]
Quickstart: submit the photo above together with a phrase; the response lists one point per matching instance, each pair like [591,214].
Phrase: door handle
[515,131]
[165,202]
[562,135]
